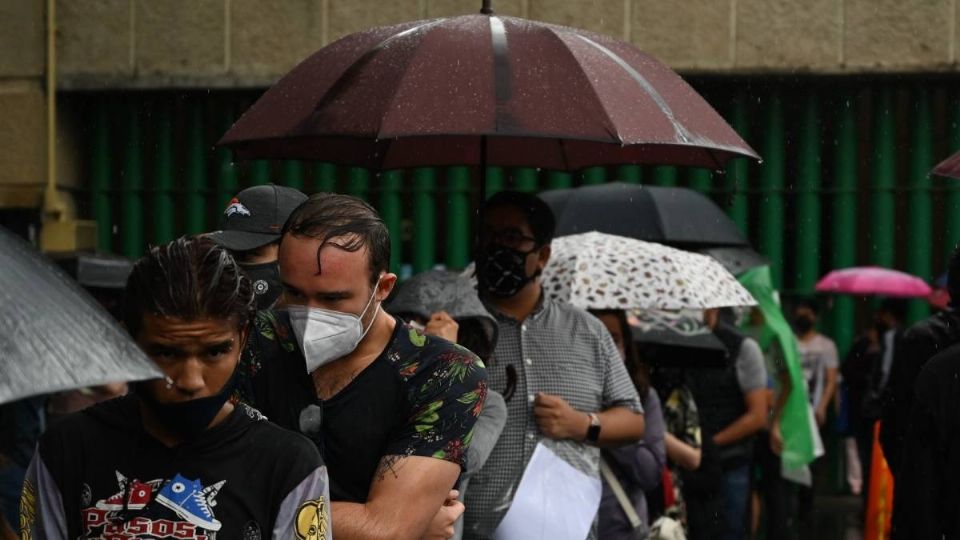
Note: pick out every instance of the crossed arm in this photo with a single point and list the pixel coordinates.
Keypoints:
(404, 499)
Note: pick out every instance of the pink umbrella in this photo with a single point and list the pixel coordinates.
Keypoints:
(873, 280)
(949, 167)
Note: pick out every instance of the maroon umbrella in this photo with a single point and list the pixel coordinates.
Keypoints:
(484, 89)
(949, 167)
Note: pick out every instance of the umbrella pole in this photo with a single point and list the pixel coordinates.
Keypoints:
(478, 222)
(483, 170)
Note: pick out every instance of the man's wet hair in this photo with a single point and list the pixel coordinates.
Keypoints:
(808, 302)
(350, 221)
(896, 307)
(191, 278)
(539, 215)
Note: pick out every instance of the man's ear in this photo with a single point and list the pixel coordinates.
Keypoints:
(387, 283)
(544, 256)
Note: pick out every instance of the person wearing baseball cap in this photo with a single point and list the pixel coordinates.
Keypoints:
(250, 229)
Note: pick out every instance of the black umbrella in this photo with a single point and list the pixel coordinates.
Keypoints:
(737, 260)
(677, 217)
(676, 340)
(97, 270)
(53, 336)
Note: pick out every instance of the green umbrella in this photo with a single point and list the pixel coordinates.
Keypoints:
(798, 442)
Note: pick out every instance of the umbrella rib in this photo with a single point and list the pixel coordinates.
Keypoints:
(681, 131)
(343, 80)
(611, 125)
(406, 72)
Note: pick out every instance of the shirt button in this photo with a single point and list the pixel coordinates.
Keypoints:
(523, 328)
(528, 361)
(531, 398)
(531, 436)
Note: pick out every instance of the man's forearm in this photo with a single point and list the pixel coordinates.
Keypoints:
(829, 390)
(743, 427)
(355, 521)
(620, 426)
(406, 494)
(752, 421)
(786, 386)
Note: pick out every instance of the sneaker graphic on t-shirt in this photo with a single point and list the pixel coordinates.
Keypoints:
(133, 494)
(190, 501)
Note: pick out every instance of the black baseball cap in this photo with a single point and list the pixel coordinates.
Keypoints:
(255, 217)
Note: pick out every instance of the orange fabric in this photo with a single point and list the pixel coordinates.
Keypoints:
(880, 498)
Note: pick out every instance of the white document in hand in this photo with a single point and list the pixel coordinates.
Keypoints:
(554, 501)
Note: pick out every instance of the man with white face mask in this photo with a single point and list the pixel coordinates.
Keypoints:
(391, 410)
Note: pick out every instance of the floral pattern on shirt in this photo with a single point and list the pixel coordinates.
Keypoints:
(446, 387)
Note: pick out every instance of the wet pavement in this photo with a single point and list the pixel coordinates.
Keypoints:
(836, 517)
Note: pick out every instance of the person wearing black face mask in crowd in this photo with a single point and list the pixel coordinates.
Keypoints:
(818, 357)
(557, 364)
(917, 346)
(250, 229)
(820, 364)
(176, 458)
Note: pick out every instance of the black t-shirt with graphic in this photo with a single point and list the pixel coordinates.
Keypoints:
(99, 474)
(420, 397)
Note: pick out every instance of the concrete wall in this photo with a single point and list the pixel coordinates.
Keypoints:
(175, 43)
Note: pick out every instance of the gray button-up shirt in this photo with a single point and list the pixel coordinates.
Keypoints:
(560, 350)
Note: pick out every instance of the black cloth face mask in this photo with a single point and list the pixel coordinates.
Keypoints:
(501, 271)
(188, 418)
(803, 325)
(266, 282)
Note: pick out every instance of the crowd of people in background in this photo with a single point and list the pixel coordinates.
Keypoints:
(305, 397)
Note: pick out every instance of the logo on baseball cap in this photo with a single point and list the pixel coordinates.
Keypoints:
(255, 217)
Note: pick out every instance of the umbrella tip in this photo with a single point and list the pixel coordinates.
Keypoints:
(486, 8)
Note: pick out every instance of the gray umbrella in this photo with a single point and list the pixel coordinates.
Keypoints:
(440, 290)
(53, 336)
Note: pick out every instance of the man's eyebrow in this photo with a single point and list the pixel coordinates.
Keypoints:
(155, 346)
(334, 295)
(220, 344)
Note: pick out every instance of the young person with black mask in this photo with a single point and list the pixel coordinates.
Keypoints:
(250, 229)
(391, 409)
(176, 459)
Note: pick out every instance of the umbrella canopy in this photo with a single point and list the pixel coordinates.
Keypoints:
(602, 271)
(873, 280)
(484, 89)
(53, 336)
(100, 270)
(441, 290)
(949, 167)
(678, 217)
(676, 339)
(737, 259)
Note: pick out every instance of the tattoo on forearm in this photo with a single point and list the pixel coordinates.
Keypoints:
(389, 465)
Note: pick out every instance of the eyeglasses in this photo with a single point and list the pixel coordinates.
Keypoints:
(511, 238)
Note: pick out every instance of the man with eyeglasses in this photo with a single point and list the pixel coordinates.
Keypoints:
(557, 364)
